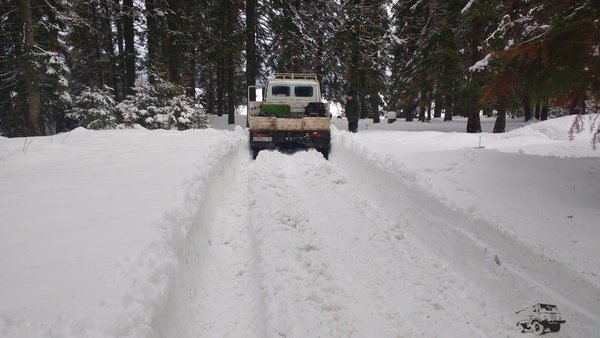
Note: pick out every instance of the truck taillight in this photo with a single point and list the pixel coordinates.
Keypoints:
(314, 134)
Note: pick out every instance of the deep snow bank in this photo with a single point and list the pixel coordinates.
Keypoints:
(215, 291)
(509, 271)
(167, 269)
(86, 248)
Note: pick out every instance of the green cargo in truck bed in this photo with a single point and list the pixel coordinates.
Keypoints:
(278, 110)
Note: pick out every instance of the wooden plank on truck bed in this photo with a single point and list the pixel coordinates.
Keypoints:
(289, 124)
(316, 123)
(261, 123)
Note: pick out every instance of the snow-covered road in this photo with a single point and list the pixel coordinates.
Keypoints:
(296, 246)
(137, 233)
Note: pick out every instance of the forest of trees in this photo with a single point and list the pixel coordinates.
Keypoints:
(165, 63)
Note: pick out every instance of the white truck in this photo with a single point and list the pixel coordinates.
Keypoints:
(290, 115)
(539, 317)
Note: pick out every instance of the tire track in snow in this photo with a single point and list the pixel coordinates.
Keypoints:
(302, 297)
(217, 289)
(335, 265)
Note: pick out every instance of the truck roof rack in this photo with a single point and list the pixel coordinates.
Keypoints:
(294, 76)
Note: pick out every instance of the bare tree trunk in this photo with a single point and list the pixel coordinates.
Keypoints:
(58, 112)
(129, 37)
(111, 48)
(220, 87)
(229, 64)
(437, 110)
(33, 98)
(121, 49)
(473, 122)
(173, 42)
(421, 112)
(500, 125)
(429, 112)
(544, 112)
(375, 107)
(526, 101)
(449, 108)
(153, 39)
(409, 110)
(251, 55)
(191, 76)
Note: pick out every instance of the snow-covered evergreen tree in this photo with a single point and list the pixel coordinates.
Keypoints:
(94, 108)
(162, 105)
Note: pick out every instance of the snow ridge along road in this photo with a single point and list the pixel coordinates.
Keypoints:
(505, 274)
(216, 291)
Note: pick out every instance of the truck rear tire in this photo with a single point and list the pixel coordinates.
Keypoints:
(554, 327)
(325, 153)
(254, 153)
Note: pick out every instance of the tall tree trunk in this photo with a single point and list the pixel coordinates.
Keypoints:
(229, 63)
(210, 104)
(526, 101)
(500, 125)
(421, 112)
(120, 47)
(375, 107)
(191, 76)
(537, 110)
(251, 55)
(473, 121)
(220, 87)
(173, 42)
(472, 104)
(108, 34)
(153, 40)
(33, 97)
(449, 109)
(98, 62)
(544, 112)
(428, 112)
(60, 124)
(409, 111)
(129, 37)
(437, 109)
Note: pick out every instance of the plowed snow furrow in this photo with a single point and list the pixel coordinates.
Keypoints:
(217, 290)
(346, 271)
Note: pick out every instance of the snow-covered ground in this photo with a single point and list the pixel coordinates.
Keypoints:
(406, 231)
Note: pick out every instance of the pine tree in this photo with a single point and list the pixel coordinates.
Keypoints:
(552, 52)
(363, 46)
(409, 17)
(161, 105)
(94, 108)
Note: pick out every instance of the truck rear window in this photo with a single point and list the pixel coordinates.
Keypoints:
(280, 91)
(303, 91)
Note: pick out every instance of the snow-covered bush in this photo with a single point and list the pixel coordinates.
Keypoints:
(94, 108)
(161, 105)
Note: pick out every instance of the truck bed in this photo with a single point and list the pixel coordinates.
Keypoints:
(289, 124)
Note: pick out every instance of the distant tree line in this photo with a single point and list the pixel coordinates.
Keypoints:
(165, 63)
